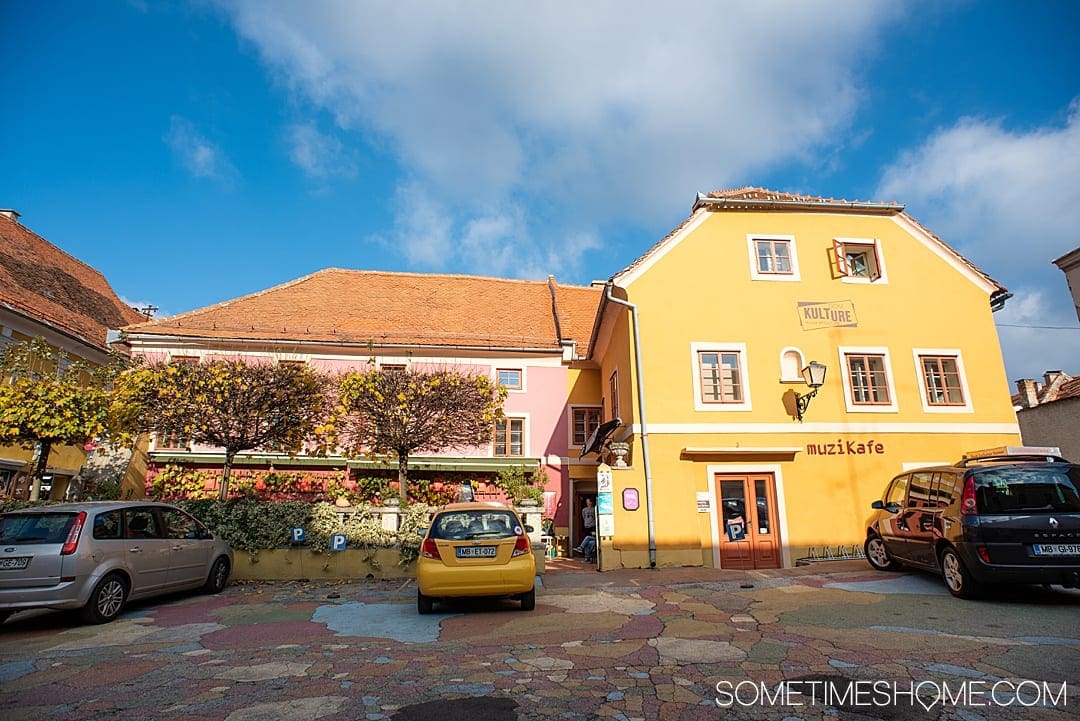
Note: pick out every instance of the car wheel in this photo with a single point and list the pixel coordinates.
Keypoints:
(878, 555)
(107, 599)
(957, 577)
(528, 600)
(218, 578)
(4, 615)
(424, 604)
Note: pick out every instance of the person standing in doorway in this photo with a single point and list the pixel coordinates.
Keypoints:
(587, 547)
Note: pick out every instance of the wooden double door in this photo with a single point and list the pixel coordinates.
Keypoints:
(749, 523)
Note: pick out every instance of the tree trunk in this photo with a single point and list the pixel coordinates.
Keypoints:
(44, 449)
(403, 477)
(223, 492)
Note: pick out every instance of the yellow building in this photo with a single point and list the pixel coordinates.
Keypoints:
(699, 347)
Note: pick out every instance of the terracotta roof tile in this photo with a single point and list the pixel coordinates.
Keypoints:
(39, 280)
(353, 306)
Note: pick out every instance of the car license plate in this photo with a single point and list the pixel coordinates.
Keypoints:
(476, 552)
(14, 563)
(1056, 549)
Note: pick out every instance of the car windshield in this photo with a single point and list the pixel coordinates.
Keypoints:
(463, 525)
(1018, 489)
(35, 527)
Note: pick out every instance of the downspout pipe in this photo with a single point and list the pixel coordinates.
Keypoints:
(642, 421)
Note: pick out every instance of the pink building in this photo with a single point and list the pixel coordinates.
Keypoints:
(528, 334)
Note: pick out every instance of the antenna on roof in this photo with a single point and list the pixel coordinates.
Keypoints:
(147, 310)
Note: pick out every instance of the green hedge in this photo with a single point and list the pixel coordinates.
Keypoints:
(252, 526)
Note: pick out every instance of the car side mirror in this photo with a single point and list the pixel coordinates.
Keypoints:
(422, 531)
(529, 529)
(877, 505)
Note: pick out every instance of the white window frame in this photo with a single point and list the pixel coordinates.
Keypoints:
(879, 256)
(700, 403)
(843, 352)
(916, 353)
(755, 272)
(511, 368)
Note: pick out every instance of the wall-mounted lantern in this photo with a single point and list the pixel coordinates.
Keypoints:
(813, 376)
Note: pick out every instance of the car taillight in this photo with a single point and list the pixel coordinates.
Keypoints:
(72, 541)
(429, 549)
(968, 505)
(521, 546)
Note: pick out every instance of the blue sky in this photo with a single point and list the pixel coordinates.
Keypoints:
(194, 152)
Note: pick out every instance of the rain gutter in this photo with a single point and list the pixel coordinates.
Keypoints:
(154, 337)
(644, 425)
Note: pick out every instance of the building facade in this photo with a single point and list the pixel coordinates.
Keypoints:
(1070, 266)
(524, 333)
(700, 346)
(722, 455)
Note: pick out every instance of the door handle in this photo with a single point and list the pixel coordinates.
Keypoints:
(135, 550)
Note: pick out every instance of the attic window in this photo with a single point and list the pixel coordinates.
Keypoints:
(858, 260)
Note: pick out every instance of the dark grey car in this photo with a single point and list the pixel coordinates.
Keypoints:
(984, 520)
(97, 556)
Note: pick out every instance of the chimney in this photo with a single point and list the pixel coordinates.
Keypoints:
(1051, 376)
(8, 213)
(1029, 392)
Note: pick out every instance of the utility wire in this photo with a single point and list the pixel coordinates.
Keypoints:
(1041, 327)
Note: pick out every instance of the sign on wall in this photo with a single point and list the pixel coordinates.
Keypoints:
(831, 314)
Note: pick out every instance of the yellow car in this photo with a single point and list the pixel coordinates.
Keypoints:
(475, 549)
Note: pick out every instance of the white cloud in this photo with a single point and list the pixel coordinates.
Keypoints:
(199, 156)
(320, 156)
(1010, 202)
(606, 111)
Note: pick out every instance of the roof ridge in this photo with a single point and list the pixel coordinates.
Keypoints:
(467, 276)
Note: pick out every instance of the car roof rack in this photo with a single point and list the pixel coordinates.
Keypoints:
(1011, 458)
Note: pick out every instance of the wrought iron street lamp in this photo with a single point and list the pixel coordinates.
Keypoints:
(813, 376)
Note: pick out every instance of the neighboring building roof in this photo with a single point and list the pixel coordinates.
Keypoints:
(45, 284)
(1056, 386)
(336, 305)
(761, 199)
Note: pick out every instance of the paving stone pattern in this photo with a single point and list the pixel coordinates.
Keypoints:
(622, 646)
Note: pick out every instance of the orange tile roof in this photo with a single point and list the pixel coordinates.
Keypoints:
(40, 281)
(751, 197)
(383, 308)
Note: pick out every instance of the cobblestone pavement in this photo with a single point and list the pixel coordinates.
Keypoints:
(621, 645)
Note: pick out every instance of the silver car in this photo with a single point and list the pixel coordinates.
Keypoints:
(97, 556)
